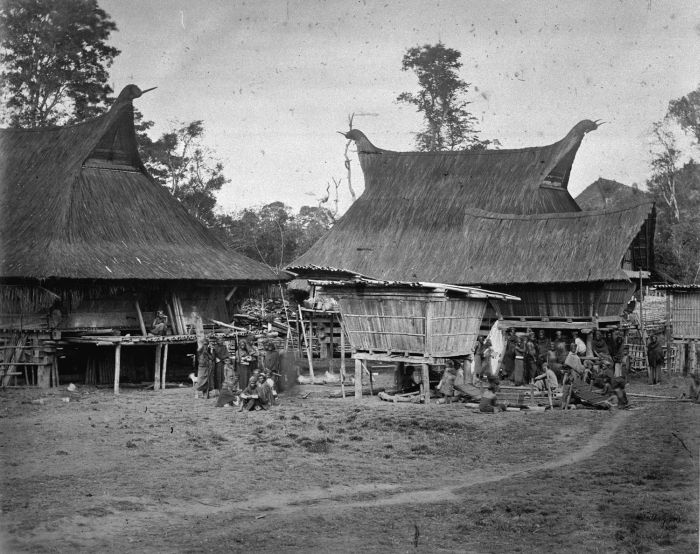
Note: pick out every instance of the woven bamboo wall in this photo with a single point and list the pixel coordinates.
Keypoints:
(685, 309)
(398, 322)
(454, 325)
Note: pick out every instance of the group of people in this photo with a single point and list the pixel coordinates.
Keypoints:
(241, 374)
(549, 363)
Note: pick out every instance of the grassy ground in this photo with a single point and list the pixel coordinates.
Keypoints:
(162, 471)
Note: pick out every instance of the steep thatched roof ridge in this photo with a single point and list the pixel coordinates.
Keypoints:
(434, 240)
(76, 202)
(519, 181)
(606, 193)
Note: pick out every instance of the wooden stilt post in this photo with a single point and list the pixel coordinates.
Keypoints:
(669, 342)
(369, 372)
(165, 366)
(425, 381)
(342, 360)
(117, 366)
(358, 378)
(156, 377)
(309, 354)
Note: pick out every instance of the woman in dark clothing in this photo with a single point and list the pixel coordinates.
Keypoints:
(656, 357)
(509, 354)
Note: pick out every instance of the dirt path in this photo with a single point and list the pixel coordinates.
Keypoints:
(147, 512)
(346, 498)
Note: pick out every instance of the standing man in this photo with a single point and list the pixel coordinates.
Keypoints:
(531, 356)
(544, 345)
(655, 355)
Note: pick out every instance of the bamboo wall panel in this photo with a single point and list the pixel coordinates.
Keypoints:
(685, 309)
(613, 297)
(381, 321)
(455, 326)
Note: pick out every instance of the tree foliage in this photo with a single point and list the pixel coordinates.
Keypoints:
(686, 112)
(677, 243)
(55, 57)
(676, 188)
(179, 161)
(441, 99)
(272, 233)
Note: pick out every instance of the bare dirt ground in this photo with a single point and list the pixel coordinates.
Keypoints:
(165, 472)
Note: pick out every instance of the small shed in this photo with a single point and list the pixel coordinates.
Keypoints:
(683, 323)
(416, 323)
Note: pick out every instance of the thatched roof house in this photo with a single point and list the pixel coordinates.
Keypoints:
(501, 219)
(80, 216)
(606, 193)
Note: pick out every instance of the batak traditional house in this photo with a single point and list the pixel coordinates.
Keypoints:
(500, 219)
(92, 245)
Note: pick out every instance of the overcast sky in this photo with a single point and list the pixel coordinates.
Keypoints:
(274, 80)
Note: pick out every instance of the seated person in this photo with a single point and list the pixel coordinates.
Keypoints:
(547, 377)
(446, 386)
(488, 402)
(264, 390)
(159, 327)
(619, 390)
(249, 396)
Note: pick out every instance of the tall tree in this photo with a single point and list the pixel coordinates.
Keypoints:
(54, 57)
(686, 112)
(676, 187)
(441, 99)
(179, 161)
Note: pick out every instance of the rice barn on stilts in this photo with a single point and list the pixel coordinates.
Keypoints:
(503, 220)
(92, 247)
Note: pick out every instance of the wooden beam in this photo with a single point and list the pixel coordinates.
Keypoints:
(391, 358)
(140, 316)
(425, 381)
(342, 359)
(117, 366)
(231, 293)
(534, 324)
(358, 378)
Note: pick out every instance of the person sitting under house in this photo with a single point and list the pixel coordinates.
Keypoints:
(446, 386)
(489, 401)
(159, 327)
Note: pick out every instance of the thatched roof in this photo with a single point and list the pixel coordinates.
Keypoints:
(520, 181)
(475, 218)
(442, 240)
(77, 203)
(605, 193)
